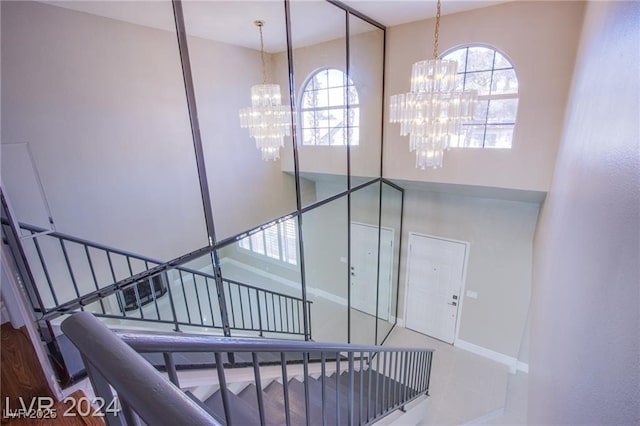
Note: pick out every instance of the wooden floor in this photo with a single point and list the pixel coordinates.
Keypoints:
(23, 380)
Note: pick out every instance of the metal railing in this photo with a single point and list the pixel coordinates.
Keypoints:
(71, 273)
(375, 381)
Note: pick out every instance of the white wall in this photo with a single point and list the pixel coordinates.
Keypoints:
(585, 333)
(102, 104)
(500, 234)
(245, 190)
(366, 68)
(540, 38)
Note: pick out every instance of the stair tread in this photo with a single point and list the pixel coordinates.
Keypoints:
(241, 412)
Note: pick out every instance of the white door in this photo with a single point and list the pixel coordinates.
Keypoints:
(364, 271)
(434, 282)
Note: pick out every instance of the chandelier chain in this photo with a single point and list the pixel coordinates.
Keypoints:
(435, 38)
(260, 24)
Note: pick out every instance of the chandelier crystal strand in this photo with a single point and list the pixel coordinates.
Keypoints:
(267, 119)
(432, 113)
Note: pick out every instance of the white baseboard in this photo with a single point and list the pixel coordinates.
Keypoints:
(507, 360)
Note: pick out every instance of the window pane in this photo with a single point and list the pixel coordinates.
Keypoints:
(308, 137)
(336, 78)
(502, 111)
(308, 119)
(320, 80)
(309, 99)
(352, 93)
(480, 59)
(504, 81)
(257, 243)
(337, 96)
(502, 62)
(322, 99)
(336, 118)
(473, 136)
(245, 243)
(338, 136)
(480, 116)
(480, 81)
(272, 244)
(290, 241)
(354, 135)
(499, 136)
(460, 57)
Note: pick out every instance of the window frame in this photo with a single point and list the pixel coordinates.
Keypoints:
(487, 97)
(346, 108)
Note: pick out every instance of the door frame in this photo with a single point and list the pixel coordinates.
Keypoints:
(463, 285)
(393, 246)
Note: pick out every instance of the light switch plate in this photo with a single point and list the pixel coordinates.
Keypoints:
(472, 294)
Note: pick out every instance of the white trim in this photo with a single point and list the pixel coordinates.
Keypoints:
(462, 284)
(507, 360)
(522, 366)
(15, 297)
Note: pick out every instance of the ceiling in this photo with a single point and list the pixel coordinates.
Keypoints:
(231, 22)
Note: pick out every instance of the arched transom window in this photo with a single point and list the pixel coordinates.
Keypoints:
(329, 109)
(485, 69)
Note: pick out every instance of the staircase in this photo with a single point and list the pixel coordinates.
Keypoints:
(283, 382)
(332, 409)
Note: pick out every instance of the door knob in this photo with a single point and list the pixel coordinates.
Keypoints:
(452, 304)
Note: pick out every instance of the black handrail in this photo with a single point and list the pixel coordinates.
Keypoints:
(136, 289)
(151, 398)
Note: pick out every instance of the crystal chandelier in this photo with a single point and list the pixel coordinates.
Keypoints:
(433, 112)
(267, 119)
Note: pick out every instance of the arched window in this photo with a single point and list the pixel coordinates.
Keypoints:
(329, 109)
(485, 69)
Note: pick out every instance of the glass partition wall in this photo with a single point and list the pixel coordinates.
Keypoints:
(291, 244)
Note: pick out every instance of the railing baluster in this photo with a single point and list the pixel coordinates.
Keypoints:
(68, 262)
(285, 388)
(223, 389)
(286, 307)
(172, 305)
(280, 310)
(299, 321)
(153, 290)
(323, 374)
(206, 284)
(384, 404)
(93, 276)
(259, 312)
(232, 322)
(266, 312)
(119, 294)
(375, 404)
(396, 380)
(102, 390)
(195, 286)
(241, 307)
(257, 378)
(184, 294)
(273, 306)
(135, 288)
(338, 388)
(171, 368)
(405, 368)
(430, 357)
(45, 269)
(250, 308)
(309, 316)
(305, 367)
(361, 388)
(293, 320)
(369, 387)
